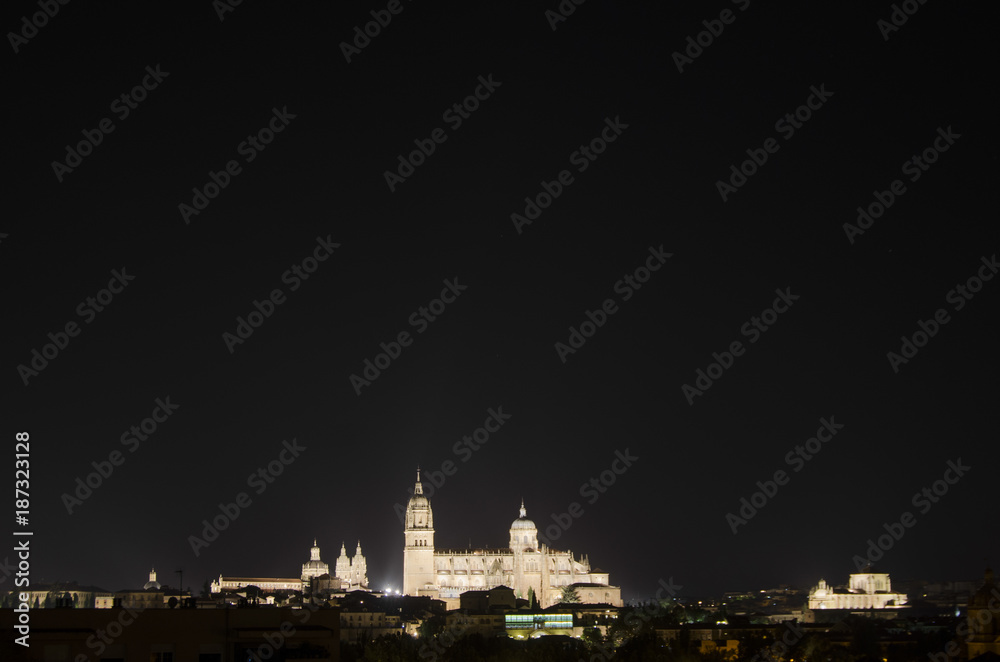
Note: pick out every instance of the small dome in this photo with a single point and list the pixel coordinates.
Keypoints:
(523, 523)
(417, 500)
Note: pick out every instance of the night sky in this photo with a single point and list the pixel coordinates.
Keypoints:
(885, 96)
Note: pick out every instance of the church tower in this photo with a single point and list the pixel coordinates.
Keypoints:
(359, 568)
(523, 539)
(152, 583)
(418, 550)
(343, 566)
(523, 533)
(315, 566)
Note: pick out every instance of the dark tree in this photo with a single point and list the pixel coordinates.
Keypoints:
(431, 627)
(569, 594)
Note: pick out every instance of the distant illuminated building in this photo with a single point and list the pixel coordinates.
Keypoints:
(866, 590)
(349, 574)
(265, 584)
(981, 621)
(315, 566)
(352, 572)
(524, 565)
(152, 583)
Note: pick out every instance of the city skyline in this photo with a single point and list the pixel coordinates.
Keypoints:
(712, 288)
(392, 575)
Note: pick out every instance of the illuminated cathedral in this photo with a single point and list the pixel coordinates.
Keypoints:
(525, 565)
(867, 590)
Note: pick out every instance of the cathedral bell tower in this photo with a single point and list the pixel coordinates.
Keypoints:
(418, 550)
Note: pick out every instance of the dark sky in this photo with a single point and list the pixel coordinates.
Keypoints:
(495, 346)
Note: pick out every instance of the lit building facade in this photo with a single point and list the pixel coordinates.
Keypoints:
(315, 566)
(525, 565)
(350, 574)
(866, 590)
(266, 584)
(352, 571)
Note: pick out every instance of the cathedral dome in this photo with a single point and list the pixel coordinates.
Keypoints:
(418, 501)
(418, 509)
(152, 583)
(522, 523)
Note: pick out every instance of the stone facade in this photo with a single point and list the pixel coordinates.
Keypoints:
(866, 590)
(266, 584)
(525, 565)
(352, 572)
(315, 566)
